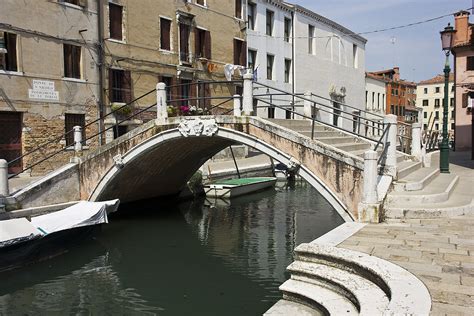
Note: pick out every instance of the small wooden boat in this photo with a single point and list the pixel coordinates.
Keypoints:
(235, 187)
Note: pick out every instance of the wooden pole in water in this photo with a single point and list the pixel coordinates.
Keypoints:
(235, 162)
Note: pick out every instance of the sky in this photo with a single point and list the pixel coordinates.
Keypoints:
(416, 50)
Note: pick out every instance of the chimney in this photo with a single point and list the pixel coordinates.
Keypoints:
(461, 25)
(396, 75)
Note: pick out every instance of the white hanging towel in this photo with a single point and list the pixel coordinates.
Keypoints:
(229, 71)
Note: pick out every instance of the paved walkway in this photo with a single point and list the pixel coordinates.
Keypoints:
(440, 252)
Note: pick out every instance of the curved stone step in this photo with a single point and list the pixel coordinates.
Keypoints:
(286, 307)
(364, 294)
(449, 208)
(417, 180)
(406, 293)
(317, 297)
(437, 191)
(405, 168)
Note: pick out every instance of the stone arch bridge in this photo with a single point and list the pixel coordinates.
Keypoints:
(157, 159)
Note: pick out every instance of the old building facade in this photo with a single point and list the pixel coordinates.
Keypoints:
(430, 97)
(48, 78)
(463, 51)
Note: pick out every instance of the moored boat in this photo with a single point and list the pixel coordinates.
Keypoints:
(236, 187)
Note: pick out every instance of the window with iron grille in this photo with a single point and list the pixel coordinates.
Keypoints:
(72, 120)
(8, 61)
(72, 61)
(115, 21)
(120, 86)
(165, 35)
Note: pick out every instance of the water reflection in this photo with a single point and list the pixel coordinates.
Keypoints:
(176, 259)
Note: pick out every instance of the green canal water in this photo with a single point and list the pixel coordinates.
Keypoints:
(169, 258)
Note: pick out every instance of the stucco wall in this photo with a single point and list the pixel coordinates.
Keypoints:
(430, 110)
(463, 115)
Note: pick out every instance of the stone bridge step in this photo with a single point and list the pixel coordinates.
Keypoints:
(415, 180)
(438, 190)
(336, 140)
(286, 307)
(407, 167)
(352, 146)
(317, 296)
(318, 134)
(368, 298)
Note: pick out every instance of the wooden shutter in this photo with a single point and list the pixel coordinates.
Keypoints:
(197, 43)
(115, 21)
(127, 86)
(67, 60)
(243, 55)
(165, 26)
(192, 92)
(207, 40)
(238, 9)
(76, 62)
(10, 43)
(111, 91)
(236, 51)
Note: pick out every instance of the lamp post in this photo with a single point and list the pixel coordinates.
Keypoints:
(446, 43)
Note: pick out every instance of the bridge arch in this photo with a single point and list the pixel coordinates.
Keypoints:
(137, 168)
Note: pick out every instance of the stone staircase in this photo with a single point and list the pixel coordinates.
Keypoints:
(333, 281)
(426, 193)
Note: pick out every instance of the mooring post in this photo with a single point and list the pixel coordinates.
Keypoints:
(248, 94)
(237, 105)
(4, 190)
(161, 102)
(390, 143)
(77, 139)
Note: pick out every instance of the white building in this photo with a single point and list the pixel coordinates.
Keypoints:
(430, 97)
(375, 99)
(329, 62)
(297, 50)
(269, 41)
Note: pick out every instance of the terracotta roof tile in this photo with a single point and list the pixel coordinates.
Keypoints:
(437, 79)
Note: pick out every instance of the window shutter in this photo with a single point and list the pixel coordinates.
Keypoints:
(236, 52)
(115, 16)
(238, 9)
(243, 55)
(192, 93)
(464, 100)
(207, 39)
(165, 26)
(111, 74)
(197, 43)
(10, 41)
(127, 86)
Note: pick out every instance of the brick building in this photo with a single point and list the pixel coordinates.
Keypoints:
(463, 51)
(48, 78)
(400, 95)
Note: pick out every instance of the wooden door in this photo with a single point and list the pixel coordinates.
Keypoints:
(10, 139)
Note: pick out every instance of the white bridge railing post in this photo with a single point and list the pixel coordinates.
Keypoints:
(370, 177)
(77, 139)
(4, 190)
(237, 105)
(308, 105)
(416, 140)
(390, 146)
(248, 94)
(161, 102)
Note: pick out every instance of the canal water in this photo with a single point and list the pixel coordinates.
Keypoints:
(168, 258)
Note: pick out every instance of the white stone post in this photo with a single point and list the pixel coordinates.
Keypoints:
(390, 143)
(416, 140)
(161, 102)
(4, 190)
(308, 105)
(370, 177)
(248, 94)
(77, 139)
(237, 105)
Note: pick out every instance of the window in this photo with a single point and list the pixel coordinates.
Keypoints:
(72, 120)
(425, 102)
(470, 63)
(270, 59)
(81, 3)
(201, 2)
(251, 13)
(378, 101)
(425, 90)
(72, 61)
(8, 61)
(288, 114)
(240, 49)
(452, 115)
(425, 126)
(165, 34)
(436, 103)
(185, 91)
(392, 109)
(452, 102)
(355, 55)
(393, 91)
(287, 30)
(252, 59)
(115, 21)
(311, 49)
(452, 126)
(425, 114)
(203, 43)
(436, 115)
(238, 9)
(269, 23)
(168, 81)
(437, 90)
(120, 86)
(373, 99)
(436, 126)
(184, 33)
(287, 70)
(204, 92)
(452, 88)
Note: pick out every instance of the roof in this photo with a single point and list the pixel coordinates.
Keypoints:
(437, 79)
(328, 22)
(375, 77)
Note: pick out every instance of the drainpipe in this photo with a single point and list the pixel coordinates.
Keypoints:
(293, 61)
(100, 52)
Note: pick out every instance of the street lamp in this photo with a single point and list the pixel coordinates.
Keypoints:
(446, 43)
